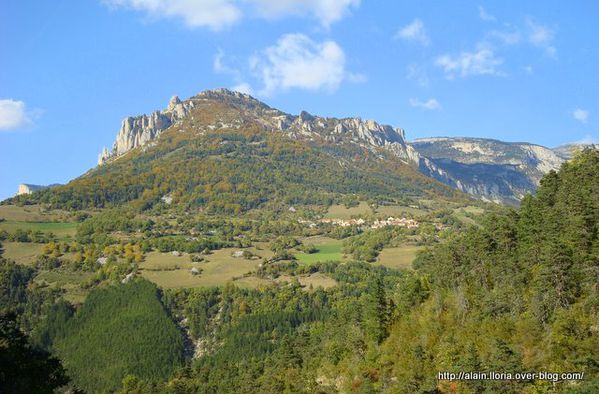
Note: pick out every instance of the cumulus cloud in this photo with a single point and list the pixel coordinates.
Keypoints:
(541, 36)
(220, 14)
(326, 11)
(484, 15)
(13, 115)
(581, 115)
(296, 61)
(213, 14)
(480, 62)
(415, 31)
(430, 104)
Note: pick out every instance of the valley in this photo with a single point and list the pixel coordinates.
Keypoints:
(264, 252)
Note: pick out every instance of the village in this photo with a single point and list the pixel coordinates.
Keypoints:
(378, 223)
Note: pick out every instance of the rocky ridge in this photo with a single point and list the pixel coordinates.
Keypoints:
(494, 170)
(141, 130)
(489, 169)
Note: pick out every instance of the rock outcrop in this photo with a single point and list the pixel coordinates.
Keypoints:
(489, 169)
(27, 188)
(139, 130)
(492, 170)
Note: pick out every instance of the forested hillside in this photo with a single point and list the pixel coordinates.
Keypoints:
(518, 293)
(511, 291)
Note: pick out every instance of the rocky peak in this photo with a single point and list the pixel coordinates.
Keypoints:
(173, 103)
(139, 130)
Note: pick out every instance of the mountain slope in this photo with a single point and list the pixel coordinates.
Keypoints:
(230, 153)
(494, 170)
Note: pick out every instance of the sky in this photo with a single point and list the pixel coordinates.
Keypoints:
(71, 70)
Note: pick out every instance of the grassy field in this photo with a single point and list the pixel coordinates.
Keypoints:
(341, 212)
(68, 280)
(398, 258)
(384, 211)
(315, 280)
(329, 249)
(472, 210)
(62, 230)
(30, 213)
(21, 252)
(220, 267)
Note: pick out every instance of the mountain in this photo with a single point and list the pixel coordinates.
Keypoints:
(568, 150)
(141, 130)
(490, 169)
(226, 152)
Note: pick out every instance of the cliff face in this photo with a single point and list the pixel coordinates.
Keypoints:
(493, 170)
(27, 188)
(140, 130)
(488, 169)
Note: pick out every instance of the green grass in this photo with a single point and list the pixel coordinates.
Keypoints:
(384, 211)
(62, 230)
(218, 269)
(398, 258)
(70, 281)
(21, 252)
(30, 213)
(329, 249)
(460, 213)
(341, 212)
(316, 280)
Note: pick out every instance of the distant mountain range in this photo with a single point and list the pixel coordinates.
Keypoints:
(489, 169)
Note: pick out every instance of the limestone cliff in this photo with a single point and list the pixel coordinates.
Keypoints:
(491, 169)
(140, 130)
(27, 188)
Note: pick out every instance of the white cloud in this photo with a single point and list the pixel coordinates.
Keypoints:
(326, 11)
(484, 15)
(220, 14)
(243, 87)
(13, 115)
(415, 31)
(296, 61)
(214, 14)
(541, 36)
(430, 104)
(581, 115)
(481, 62)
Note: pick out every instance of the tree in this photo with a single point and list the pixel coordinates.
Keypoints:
(24, 369)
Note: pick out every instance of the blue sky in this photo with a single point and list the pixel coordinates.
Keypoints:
(70, 71)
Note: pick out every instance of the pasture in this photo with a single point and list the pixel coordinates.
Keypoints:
(341, 212)
(62, 230)
(329, 249)
(218, 268)
(398, 258)
(23, 253)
